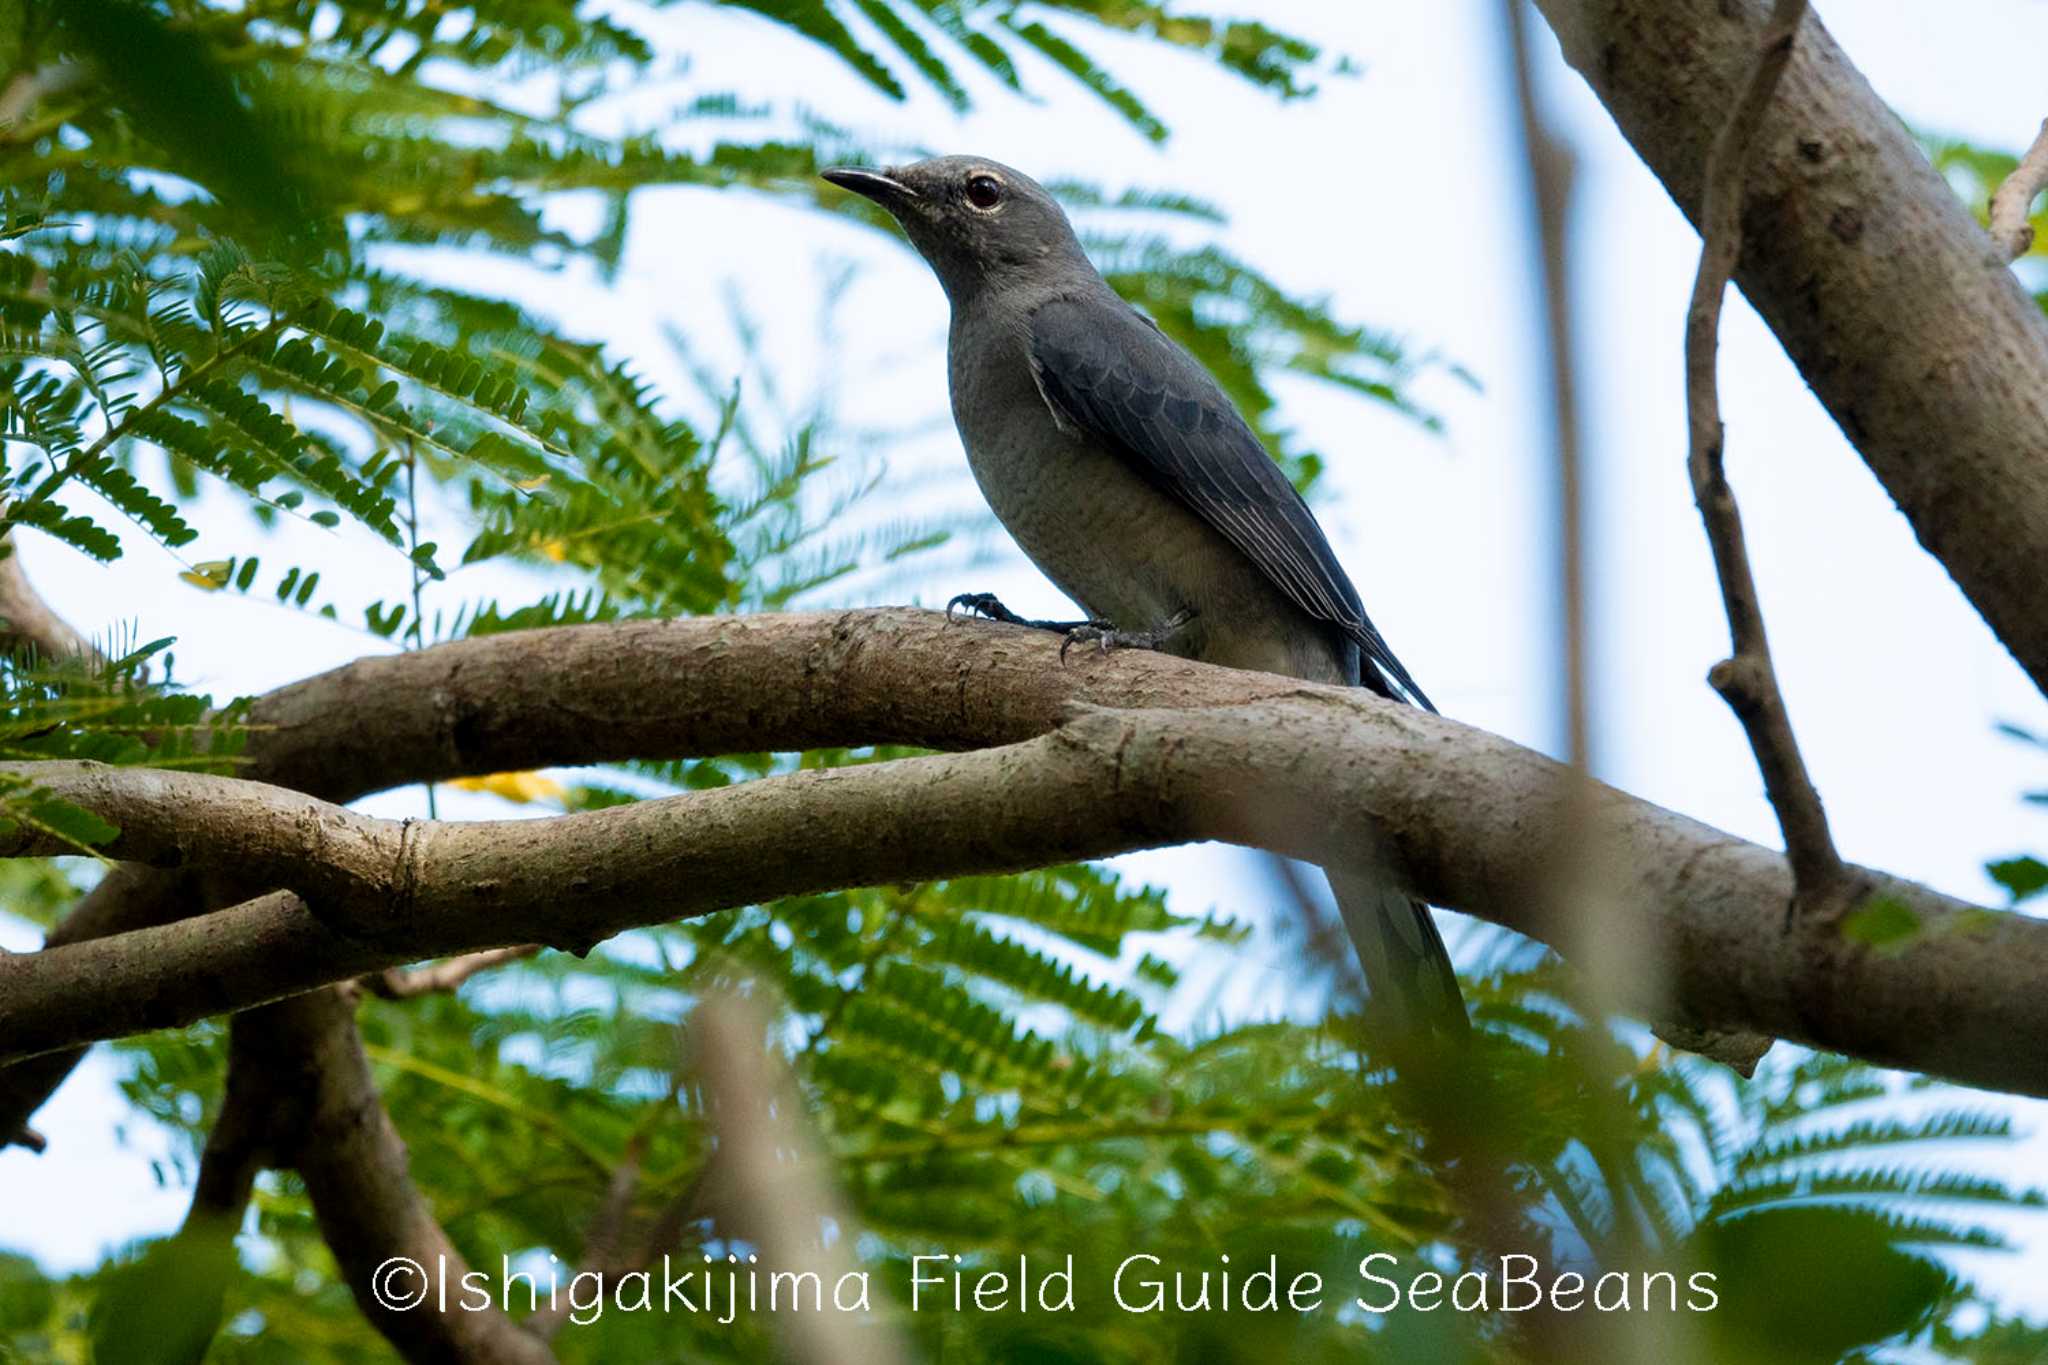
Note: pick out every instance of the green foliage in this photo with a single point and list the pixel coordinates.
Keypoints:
(163, 1307)
(200, 120)
(305, 376)
(2025, 877)
(106, 711)
(985, 1091)
(995, 36)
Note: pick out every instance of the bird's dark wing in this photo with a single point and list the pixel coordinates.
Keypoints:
(1106, 371)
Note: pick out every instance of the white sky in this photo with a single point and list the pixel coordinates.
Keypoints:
(1395, 193)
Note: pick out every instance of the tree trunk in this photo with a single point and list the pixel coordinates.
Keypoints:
(1898, 309)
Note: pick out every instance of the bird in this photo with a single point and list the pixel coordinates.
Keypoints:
(1125, 473)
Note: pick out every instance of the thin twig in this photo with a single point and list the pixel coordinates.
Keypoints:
(417, 634)
(1583, 892)
(1582, 887)
(30, 88)
(873, 954)
(2011, 200)
(1747, 681)
(604, 1251)
(1324, 941)
(1552, 167)
(404, 983)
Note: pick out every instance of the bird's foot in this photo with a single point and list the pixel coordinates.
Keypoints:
(1106, 637)
(989, 605)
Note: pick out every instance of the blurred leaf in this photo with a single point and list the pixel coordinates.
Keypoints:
(163, 1306)
(1855, 1285)
(518, 788)
(189, 103)
(2024, 877)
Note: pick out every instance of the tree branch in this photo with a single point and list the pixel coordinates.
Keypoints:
(447, 975)
(1748, 681)
(646, 689)
(1470, 817)
(1897, 308)
(26, 620)
(253, 1121)
(2015, 195)
(356, 1173)
(604, 1253)
(1577, 879)
(773, 1185)
(1552, 167)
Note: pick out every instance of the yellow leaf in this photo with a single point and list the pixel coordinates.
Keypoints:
(528, 485)
(210, 574)
(553, 549)
(519, 788)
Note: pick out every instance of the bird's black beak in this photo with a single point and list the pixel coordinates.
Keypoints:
(891, 194)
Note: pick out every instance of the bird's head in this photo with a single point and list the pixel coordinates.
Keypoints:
(977, 222)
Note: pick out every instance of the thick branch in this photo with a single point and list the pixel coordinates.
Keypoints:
(662, 689)
(385, 1240)
(1472, 819)
(253, 1117)
(690, 688)
(1748, 681)
(2015, 195)
(1897, 308)
(650, 689)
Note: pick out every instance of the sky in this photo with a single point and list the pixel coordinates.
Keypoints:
(1398, 193)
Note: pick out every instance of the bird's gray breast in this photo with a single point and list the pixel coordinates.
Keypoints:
(1121, 547)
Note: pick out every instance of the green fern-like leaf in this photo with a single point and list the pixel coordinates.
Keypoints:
(815, 20)
(78, 531)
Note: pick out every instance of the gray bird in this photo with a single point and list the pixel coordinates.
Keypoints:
(1130, 479)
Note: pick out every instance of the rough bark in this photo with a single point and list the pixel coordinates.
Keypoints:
(1470, 819)
(663, 689)
(1895, 305)
(651, 689)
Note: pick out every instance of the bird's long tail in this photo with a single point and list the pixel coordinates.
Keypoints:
(1405, 963)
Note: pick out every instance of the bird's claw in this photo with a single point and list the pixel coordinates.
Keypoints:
(988, 605)
(982, 604)
(1101, 634)
(1106, 637)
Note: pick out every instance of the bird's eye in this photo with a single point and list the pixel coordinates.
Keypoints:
(984, 191)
